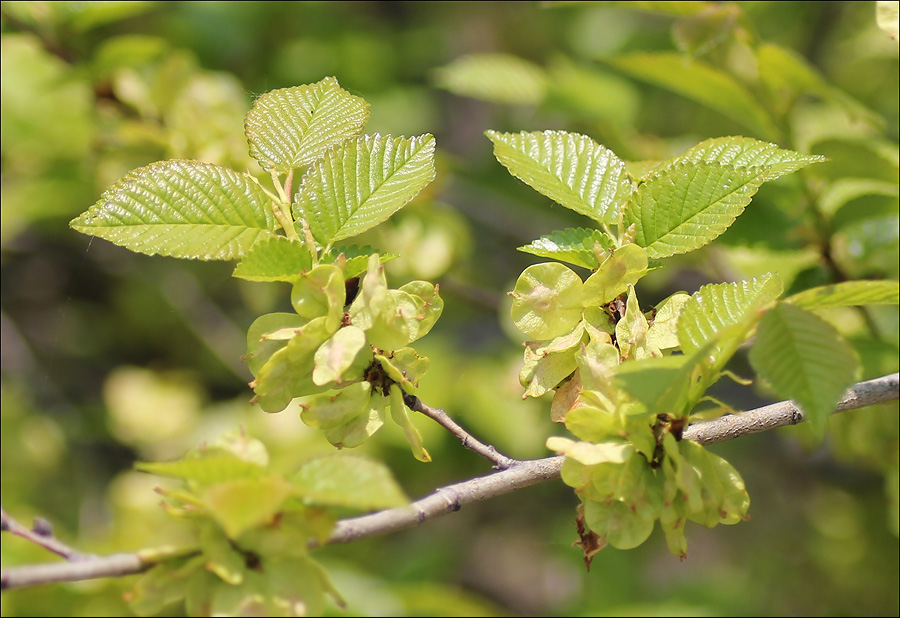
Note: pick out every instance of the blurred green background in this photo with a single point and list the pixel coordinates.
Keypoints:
(109, 357)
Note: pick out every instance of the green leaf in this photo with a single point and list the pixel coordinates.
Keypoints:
(748, 152)
(698, 33)
(632, 329)
(804, 359)
(348, 481)
(589, 453)
(624, 267)
(404, 367)
(692, 200)
(242, 504)
(578, 246)
(359, 185)
(848, 294)
(700, 83)
(206, 470)
(274, 259)
(292, 127)
(718, 307)
(360, 428)
(571, 169)
(547, 300)
(543, 373)
(499, 78)
(661, 384)
(183, 209)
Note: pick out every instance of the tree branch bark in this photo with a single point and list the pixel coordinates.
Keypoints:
(517, 475)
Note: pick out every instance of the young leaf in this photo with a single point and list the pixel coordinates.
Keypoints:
(747, 152)
(206, 470)
(184, 209)
(717, 307)
(348, 481)
(333, 409)
(357, 186)
(804, 359)
(274, 259)
(848, 293)
(578, 246)
(571, 169)
(500, 78)
(336, 355)
(292, 127)
(684, 206)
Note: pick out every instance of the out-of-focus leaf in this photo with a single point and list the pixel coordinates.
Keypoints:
(500, 78)
(348, 481)
(241, 504)
(700, 83)
(804, 359)
(848, 293)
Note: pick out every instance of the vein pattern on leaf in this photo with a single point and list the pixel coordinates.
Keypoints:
(804, 358)
(685, 206)
(292, 127)
(181, 208)
(362, 183)
(748, 152)
(572, 170)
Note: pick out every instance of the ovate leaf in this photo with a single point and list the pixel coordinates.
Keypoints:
(579, 246)
(848, 293)
(717, 307)
(804, 359)
(571, 169)
(206, 470)
(336, 355)
(348, 481)
(183, 209)
(500, 78)
(274, 259)
(292, 127)
(748, 152)
(357, 186)
(685, 206)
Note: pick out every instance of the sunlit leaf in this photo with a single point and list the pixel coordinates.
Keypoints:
(359, 185)
(804, 359)
(333, 409)
(579, 246)
(336, 355)
(184, 209)
(718, 307)
(206, 470)
(292, 127)
(274, 259)
(571, 169)
(400, 415)
(622, 527)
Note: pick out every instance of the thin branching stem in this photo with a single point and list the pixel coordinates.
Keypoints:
(499, 460)
(451, 498)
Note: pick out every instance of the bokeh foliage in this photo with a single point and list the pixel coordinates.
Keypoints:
(111, 357)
